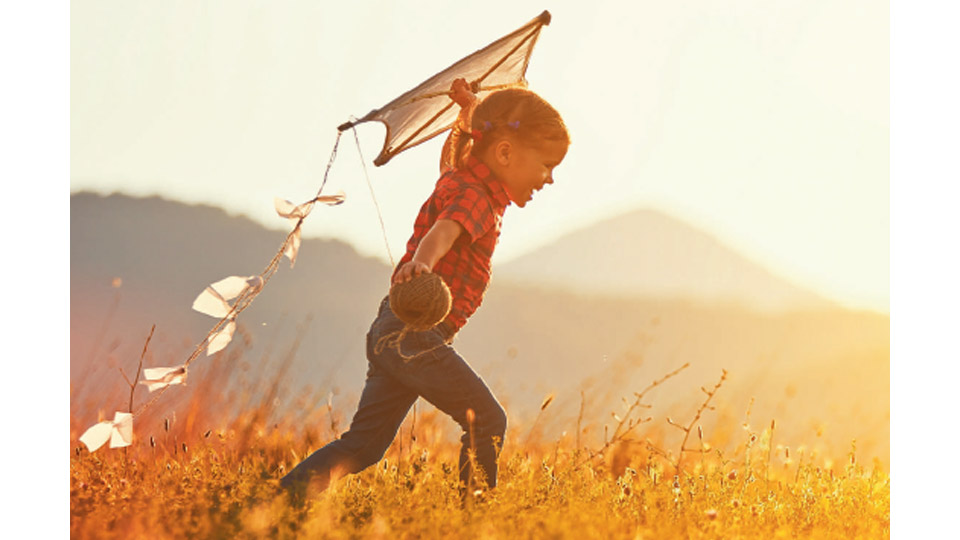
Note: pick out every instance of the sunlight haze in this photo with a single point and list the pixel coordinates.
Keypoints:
(765, 125)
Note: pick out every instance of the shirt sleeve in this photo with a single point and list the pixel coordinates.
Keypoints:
(471, 209)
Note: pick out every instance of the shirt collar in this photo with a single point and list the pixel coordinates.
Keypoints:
(483, 173)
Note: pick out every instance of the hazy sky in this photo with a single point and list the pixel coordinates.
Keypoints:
(763, 123)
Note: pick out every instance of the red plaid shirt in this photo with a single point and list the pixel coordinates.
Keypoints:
(474, 198)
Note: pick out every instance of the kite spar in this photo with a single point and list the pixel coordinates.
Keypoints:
(411, 119)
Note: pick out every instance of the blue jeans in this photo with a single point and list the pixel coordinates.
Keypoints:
(393, 384)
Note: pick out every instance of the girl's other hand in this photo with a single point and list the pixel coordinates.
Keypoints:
(461, 93)
(410, 270)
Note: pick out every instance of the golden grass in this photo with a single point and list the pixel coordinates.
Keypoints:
(186, 480)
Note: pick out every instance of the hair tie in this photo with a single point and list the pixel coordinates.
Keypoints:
(476, 134)
(515, 124)
(487, 126)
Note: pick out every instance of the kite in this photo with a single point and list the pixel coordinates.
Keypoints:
(411, 119)
(427, 110)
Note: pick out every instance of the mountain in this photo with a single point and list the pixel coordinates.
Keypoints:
(137, 262)
(648, 254)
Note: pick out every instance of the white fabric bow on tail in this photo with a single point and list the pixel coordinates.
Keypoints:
(297, 213)
(157, 378)
(119, 432)
(214, 301)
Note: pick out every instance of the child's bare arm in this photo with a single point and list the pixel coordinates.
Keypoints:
(463, 95)
(432, 248)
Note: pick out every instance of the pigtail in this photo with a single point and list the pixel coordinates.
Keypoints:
(460, 147)
(459, 143)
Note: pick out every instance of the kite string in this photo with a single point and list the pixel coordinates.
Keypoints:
(376, 204)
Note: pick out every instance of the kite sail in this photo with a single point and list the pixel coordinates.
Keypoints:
(427, 111)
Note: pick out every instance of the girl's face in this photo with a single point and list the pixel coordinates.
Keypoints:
(525, 169)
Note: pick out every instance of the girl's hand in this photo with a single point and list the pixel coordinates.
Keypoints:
(410, 270)
(461, 93)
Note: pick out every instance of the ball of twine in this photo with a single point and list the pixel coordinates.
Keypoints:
(422, 302)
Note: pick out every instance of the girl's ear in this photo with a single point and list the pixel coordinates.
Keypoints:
(502, 152)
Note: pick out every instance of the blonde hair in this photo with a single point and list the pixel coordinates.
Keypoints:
(514, 113)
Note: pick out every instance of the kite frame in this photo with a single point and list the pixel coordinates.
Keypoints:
(532, 30)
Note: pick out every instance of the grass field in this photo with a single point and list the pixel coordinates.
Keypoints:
(185, 480)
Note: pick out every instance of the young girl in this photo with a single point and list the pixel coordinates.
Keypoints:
(514, 141)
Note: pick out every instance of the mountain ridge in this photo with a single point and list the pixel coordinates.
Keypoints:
(612, 257)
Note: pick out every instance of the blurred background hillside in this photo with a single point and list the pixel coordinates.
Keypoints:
(603, 311)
